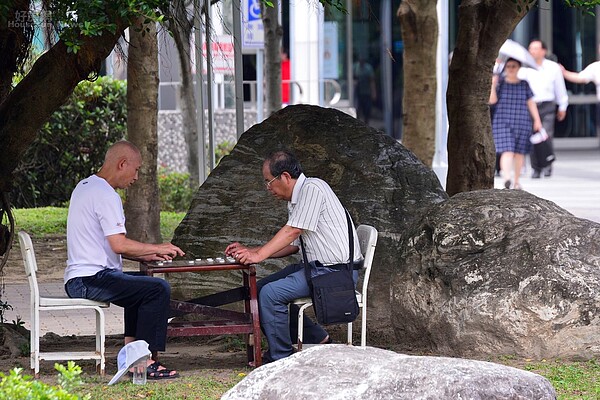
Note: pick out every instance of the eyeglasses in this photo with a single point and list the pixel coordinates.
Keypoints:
(511, 66)
(268, 184)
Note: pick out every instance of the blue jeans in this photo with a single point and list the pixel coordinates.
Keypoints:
(275, 292)
(145, 300)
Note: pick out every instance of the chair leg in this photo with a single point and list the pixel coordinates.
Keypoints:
(363, 331)
(100, 341)
(350, 333)
(301, 324)
(35, 343)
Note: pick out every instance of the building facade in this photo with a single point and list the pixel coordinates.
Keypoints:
(326, 47)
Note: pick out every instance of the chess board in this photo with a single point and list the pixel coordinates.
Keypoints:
(196, 262)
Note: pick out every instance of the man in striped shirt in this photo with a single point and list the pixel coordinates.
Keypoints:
(315, 212)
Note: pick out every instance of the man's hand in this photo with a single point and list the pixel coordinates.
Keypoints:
(243, 254)
(233, 248)
(249, 256)
(168, 251)
(278, 246)
(149, 258)
(560, 115)
(136, 250)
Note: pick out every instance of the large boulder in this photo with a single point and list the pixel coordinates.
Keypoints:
(499, 272)
(346, 372)
(376, 178)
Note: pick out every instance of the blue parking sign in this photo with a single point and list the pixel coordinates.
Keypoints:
(253, 10)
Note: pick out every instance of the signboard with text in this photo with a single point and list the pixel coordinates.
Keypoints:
(252, 26)
(222, 55)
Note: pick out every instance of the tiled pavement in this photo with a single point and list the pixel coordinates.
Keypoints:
(72, 322)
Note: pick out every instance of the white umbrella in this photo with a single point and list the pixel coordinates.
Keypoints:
(512, 49)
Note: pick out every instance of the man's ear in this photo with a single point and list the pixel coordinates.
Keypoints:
(121, 163)
(286, 175)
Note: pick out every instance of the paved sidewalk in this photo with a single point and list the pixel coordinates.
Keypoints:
(574, 185)
(63, 323)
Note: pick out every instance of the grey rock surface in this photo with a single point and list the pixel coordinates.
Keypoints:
(380, 182)
(499, 272)
(346, 372)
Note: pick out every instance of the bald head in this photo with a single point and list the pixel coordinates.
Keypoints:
(120, 150)
(121, 164)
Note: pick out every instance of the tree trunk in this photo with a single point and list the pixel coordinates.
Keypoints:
(483, 26)
(142, 207)
(419, 24)
(44, 89)
(181, 28)
(273, 34)
(15, 42)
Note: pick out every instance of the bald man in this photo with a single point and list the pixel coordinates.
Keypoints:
(96, 243)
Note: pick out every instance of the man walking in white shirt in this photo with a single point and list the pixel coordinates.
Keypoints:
(549, 91)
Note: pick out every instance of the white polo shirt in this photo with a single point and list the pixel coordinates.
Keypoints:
(547, 83)
(95, 212)
(316, 209)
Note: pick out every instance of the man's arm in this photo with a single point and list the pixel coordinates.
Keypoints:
(560, 94)
(573, 76)
(133, 249)
(278, 246)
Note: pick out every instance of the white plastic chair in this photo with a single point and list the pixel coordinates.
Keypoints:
(367, 236)
(39, 303)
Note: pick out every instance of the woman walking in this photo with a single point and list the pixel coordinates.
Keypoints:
(514, 117)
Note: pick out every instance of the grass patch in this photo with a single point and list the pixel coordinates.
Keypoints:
(44, 221)
(570, 379)
(209, 385)
(169, 220)
(51, 221)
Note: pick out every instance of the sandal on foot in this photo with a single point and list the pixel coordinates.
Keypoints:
(154, 373)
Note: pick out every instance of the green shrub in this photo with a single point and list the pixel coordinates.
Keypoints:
(17, 386)
(175, 190)
(223, 149)
(71, 146)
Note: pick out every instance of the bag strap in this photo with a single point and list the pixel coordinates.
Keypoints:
(350, 245)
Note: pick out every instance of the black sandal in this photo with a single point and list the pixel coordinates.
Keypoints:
(153, 373)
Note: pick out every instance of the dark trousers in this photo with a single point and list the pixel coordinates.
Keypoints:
(145, 300)
(313, 332)
(363, 111)
(547, 111)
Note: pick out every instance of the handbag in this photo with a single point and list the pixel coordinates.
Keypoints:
(333, 293)
(542, 148)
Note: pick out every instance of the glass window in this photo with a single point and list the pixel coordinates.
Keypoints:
(574, 39)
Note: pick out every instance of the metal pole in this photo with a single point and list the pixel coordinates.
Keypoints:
(237, 62)
(199, 95)
(321, 17)
(386, 67)
(209, 87)
(260, 73)
(350, 53)
(294, 94)
(440, 157)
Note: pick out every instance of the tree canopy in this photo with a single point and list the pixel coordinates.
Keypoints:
(81, 34)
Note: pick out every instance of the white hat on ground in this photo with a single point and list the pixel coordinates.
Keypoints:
(129, 355)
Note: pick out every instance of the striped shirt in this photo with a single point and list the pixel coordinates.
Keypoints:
(316, 210)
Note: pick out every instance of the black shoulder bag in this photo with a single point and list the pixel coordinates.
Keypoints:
(333, 295)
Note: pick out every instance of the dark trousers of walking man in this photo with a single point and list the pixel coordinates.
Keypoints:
(547, 111)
